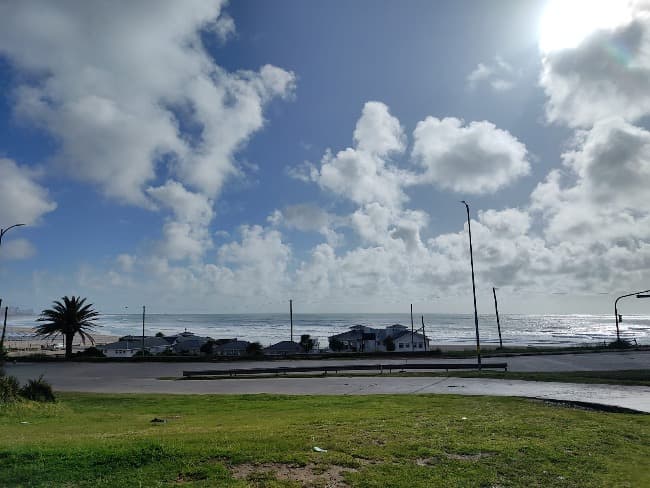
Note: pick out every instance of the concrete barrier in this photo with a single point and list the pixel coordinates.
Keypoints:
(344, 367)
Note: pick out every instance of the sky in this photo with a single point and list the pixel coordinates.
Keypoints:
(207, 157)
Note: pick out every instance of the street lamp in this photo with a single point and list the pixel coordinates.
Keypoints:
(471, 260)
(639, 294)
(4, 231)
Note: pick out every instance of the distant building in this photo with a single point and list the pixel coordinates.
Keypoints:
(361, 338)
(231, 348)
(283, 348)
(129, 346)
(187, 343)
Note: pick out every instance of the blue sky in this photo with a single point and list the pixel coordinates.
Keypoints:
(205, 157)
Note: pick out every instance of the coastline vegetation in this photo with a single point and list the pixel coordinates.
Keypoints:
(269, 441)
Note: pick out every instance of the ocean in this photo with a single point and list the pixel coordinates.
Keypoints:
(533, 330)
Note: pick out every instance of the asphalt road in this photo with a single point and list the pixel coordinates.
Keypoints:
(145, 378)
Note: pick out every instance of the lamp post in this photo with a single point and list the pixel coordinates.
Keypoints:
(4, 231)
(496, 309)
(639, 294)
(471, 260)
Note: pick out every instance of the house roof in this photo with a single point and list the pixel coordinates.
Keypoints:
(149, 342)
(284, 346)
(232, 346)
(407, 333)
(350, 335)
(194, 343)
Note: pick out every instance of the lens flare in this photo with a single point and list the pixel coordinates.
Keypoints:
(566, 23)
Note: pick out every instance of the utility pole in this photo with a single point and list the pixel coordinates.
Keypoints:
(471, 260)
(143, 311)
(412, 331)
(291, 317)
(496, 309)
(424, 334)
(4, 327)
(4, 231)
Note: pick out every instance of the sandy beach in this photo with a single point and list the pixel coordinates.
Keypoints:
(21, 341)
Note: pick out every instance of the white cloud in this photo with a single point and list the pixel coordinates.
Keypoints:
(126, 262)
(127, 89)
(187, 234)
(257, 264)
(307, 217)
(606, 75)
(13, 249)
(498, 74)
(364, 173)
(476, 158)
(225, 27)
(22, 199)
(378, 132)
(602, 198)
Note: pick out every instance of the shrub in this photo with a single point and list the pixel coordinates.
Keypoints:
(254, 349)
(336, 345)
(620, 344)
(38, 390)
(90, 352)
(9, 388)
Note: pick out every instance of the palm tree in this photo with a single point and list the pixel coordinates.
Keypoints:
(69, 318)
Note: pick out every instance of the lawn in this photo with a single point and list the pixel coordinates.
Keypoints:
(268, 440)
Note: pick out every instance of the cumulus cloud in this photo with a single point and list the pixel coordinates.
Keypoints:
(498, 75)
(308, 217)
(14, 249)
(126, 89)
(364, 174)
(257, 264)
(606, 75)
(601, 198)
(22, 199)
(475, 158)
(186, 235)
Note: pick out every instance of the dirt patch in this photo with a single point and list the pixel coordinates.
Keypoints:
(309, 475)
(432, 461)
(469, 457)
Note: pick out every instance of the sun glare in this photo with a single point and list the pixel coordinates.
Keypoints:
(566, 23)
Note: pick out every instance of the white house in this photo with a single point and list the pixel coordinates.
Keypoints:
(129, 346)
(361, 338)
(231, 348)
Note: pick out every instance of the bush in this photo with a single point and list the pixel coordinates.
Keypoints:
(90, 352)
(38, 390)
(620, 344)
(254, 349)
(9, 389)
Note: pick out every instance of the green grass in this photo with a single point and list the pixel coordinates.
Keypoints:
(376, 441)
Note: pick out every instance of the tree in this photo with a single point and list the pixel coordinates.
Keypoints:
(336, 345)
(254, 349)
(307, 342)
(68, 317)
(207, 347)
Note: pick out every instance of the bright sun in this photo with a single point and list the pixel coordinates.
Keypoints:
(565, 23)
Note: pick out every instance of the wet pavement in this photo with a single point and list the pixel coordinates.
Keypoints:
(145, 378)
